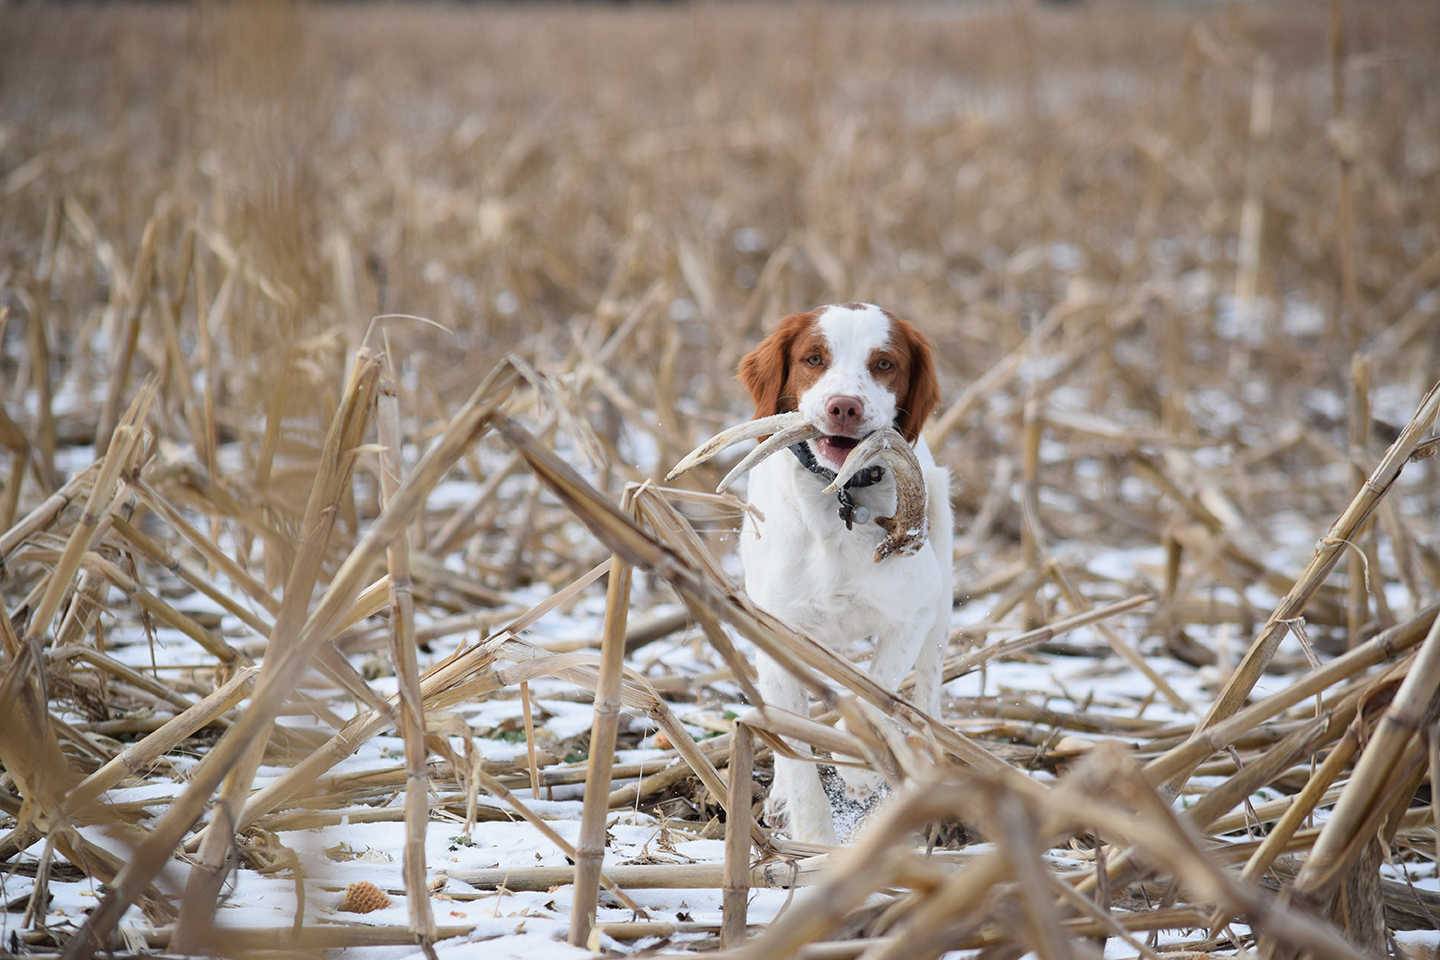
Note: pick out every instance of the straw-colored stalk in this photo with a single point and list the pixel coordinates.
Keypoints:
(30, 751)
(48, 511)
(1262, 771)
(1327, 553)
(1303, 804)
(137, 293)
(736, 888)
(678, 876)
(12, 438)
(407, 671)
(286, 940)
(676, 532)
(591, 850)
(211, 643)
(1345, 225)
(157, 555)
(84, 606)
(31, 755)
(1152, 470)
(998, 376)
(8, 640)
(1252, 209)
(139, 756)
(1397, 728)
(873, 863)
(121, 671)
(1201, 744)
(1106, 794)
(268, 697)
(1118, 643)
(205, 546)
(801, 655)
(968, 663)
(135, 758)
(1206, 740)
(1032, 532)
(1164, 838)
(209, 320)
(628, 540)
(572, 239)
(1357, 569)
(130, 443)
(462, 521)
(44, 446)
(468, 674)
(178, 373)
(498, 789)
(1208, 548)
(1016, 831)
(347, 432)
(716, 751)
(774, 726)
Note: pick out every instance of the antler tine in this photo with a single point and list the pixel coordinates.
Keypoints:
(907, 530)
(748, 430)
(778, 441)
(868, 449)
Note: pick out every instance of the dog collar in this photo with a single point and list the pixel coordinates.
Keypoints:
(849, 512)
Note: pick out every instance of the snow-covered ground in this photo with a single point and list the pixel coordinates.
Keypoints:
(532, 924)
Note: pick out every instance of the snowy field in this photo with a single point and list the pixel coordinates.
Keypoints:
(1181, 268)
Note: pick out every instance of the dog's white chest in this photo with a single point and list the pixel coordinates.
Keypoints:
(804, 566)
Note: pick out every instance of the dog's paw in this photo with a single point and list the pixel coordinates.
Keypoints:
(861, 784)
(799, 822)
(777, 815)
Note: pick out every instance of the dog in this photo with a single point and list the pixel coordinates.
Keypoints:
(849, 370)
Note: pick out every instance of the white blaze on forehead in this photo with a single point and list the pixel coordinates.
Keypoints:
(853, 334)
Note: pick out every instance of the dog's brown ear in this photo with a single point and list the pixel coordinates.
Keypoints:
(923, 395)
(765, 370)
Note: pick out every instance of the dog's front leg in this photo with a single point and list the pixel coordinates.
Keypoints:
(896, 653)
(930, 663)
(797, 800)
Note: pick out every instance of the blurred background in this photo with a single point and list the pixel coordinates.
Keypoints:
(1180, 262)
(1198, 225)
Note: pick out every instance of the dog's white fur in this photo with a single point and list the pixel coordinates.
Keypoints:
(804, 566)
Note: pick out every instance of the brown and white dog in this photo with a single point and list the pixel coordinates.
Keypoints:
(849, 370)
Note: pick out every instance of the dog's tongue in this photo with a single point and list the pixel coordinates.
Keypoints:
(836, 449)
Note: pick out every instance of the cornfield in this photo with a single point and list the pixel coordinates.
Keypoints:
(342, 347)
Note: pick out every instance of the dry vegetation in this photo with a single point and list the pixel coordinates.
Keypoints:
(1181, 266)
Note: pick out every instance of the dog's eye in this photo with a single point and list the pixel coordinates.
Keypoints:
(883, 364)
(813, 360)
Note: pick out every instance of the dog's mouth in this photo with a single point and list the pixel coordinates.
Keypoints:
(835, 449)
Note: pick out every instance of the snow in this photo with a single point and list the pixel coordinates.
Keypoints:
(526, 924)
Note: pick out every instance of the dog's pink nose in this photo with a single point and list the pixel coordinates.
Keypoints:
(844, 413)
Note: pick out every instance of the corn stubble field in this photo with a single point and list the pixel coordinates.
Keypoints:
(1181, 266)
